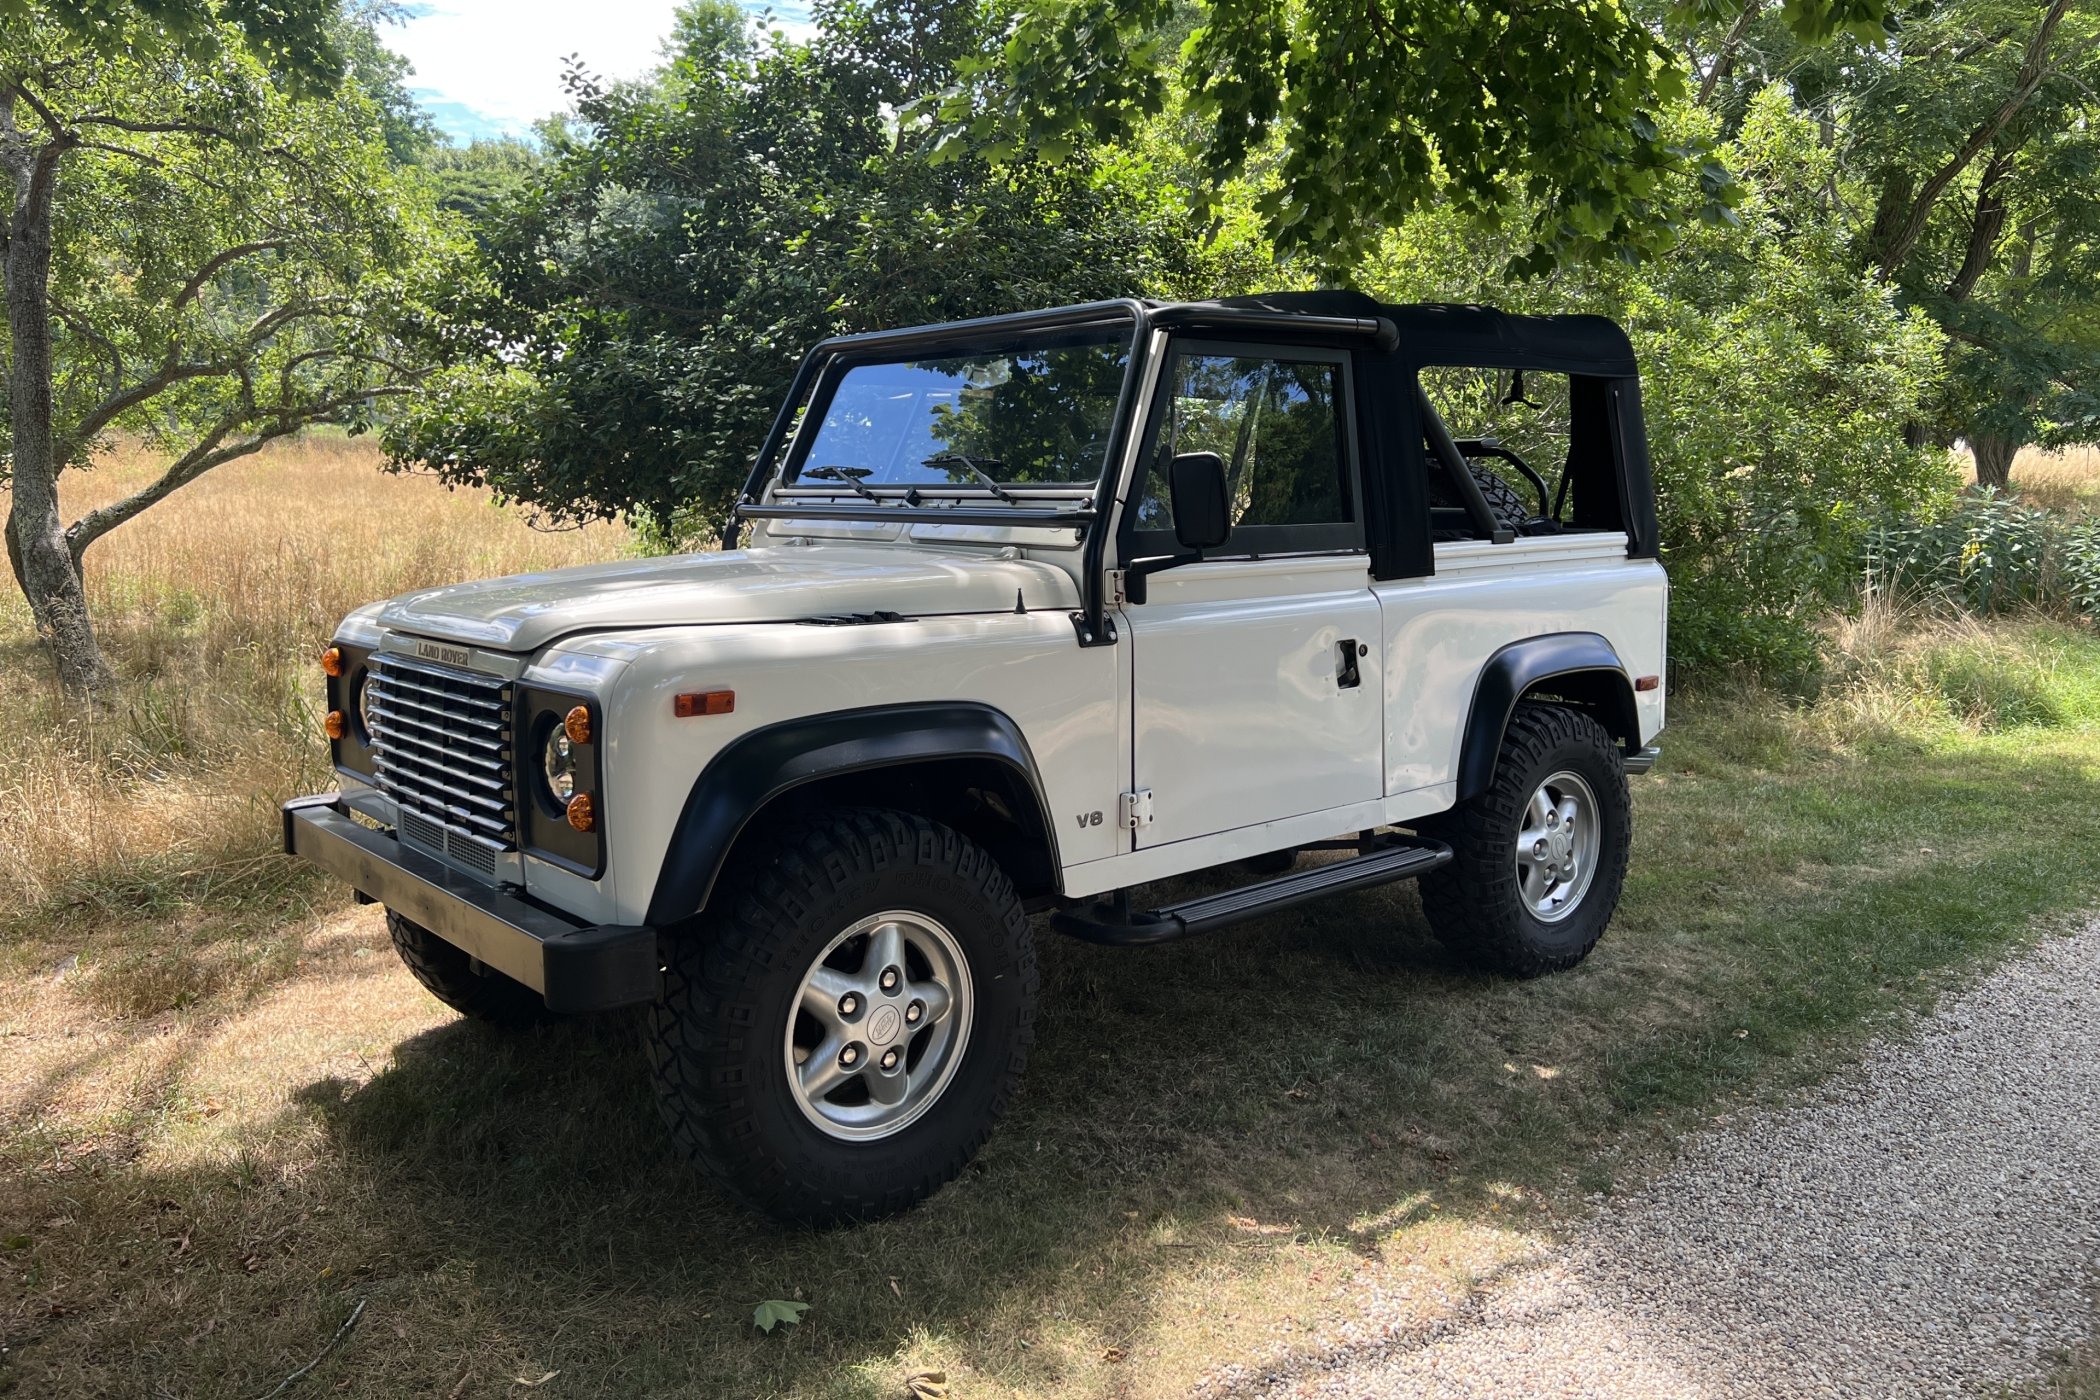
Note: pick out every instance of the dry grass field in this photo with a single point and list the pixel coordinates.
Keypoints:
(2066, 481)
(229, 1119)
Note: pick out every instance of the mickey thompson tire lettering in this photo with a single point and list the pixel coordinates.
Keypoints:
(1476, 904)
(731, 983)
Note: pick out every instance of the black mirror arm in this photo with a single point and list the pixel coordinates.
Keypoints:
(1138, 570)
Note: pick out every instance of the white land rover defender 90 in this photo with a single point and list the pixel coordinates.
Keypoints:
(1030, 611)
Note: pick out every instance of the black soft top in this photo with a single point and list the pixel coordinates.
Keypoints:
(1450, 333)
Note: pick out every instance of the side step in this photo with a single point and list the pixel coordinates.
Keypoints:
(1402, 858)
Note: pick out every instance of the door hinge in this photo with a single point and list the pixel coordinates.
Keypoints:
(1136, 808)
(1118, 595)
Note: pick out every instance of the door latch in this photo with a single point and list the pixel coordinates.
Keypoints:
(1346, 674)
(1136, 809)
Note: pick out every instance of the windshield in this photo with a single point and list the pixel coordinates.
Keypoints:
(1037, 413)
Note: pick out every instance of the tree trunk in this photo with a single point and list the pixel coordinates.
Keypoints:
(1994, 458)
(36, 531)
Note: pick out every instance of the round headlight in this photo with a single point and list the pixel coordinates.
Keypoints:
(365, 720)
(559, 764)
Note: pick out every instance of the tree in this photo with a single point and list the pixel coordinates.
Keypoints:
(1974, 140)
(690, 236)
(1368, 112)
(1777, 376)
(204, 248)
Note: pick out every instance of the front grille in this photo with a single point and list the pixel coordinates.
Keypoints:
(442, 750)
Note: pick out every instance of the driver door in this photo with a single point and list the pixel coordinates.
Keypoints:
(1256, 672)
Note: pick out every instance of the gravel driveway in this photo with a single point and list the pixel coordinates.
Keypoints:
(1926, 1226)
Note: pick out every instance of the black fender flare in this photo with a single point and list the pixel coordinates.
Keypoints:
(1518, 667)
(758, 767)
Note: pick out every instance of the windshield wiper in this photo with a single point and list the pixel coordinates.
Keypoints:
(974, 466)
(849, 476)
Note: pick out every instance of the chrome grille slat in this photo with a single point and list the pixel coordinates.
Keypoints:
(441, 718)
(387, 734)
(442, 747)
(491, 802)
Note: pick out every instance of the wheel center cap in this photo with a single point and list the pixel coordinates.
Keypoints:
(882, 1026)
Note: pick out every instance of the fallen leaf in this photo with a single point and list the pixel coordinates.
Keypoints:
(1113, 1354)
(895, 1289)
(774, 1311)
(529, 1385)
(926, 1385)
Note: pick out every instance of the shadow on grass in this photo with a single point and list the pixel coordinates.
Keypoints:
(1213, 1123)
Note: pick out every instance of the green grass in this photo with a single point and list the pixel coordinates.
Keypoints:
(1215, 1141)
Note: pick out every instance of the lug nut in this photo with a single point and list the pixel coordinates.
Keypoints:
(890, 979)
(1539, 849)
(913, 1012)
(850, 1056)
(889, 1060)
(849, 1004)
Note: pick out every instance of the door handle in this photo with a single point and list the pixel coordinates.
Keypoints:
(1346, 675)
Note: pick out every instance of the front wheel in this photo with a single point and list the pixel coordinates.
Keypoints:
(1538, 858)
(462, 983)
(837, 1042)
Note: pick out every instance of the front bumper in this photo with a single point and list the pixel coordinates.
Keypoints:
(576, 967)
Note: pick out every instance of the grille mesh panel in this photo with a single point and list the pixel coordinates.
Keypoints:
(442, 749)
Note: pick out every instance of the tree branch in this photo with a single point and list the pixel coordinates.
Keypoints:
(217, 263)
(1985, 227)
(211, 451)
(2034, 67)
(103, 414)
(1724, 60)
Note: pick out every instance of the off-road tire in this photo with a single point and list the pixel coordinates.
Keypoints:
(716, 1034)
(468, 987)
(1475, 904)
(1504, 502)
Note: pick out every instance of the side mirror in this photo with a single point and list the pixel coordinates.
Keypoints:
(1202, 509)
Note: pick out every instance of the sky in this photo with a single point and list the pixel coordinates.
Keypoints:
(492, 67)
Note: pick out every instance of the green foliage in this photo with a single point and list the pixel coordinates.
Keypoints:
(1972, 140)
(1368, 117)
(231, 260)
(1777, 383)
(690, 237)
(476, 179)
(298, 38)
(1993, 556)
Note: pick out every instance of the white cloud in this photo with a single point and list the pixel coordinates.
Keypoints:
(485, 67)
(501, 60)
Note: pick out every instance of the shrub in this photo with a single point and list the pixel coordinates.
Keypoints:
(1993, 555)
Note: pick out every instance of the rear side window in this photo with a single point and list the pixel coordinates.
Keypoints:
(1546, 437)
(1279, 421)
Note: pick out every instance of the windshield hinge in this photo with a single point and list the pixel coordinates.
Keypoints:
(1089, 636)
(1136, 808)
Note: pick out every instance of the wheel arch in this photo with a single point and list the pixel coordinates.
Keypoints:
(964, 764)
(1578, 669)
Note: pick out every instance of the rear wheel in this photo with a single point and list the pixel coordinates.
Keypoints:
(836, 1043)
(467, 986)
(1538, 858)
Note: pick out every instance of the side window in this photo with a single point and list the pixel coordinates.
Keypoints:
(1512, 426)
(1280, 425)
(1540, 445)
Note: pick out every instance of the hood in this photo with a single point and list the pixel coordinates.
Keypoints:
(527, 611)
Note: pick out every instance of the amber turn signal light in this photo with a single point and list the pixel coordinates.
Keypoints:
(332, 724)
(577, 725)
(580, 814)
(332, 662)
(1648, 683)
(706, 702)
